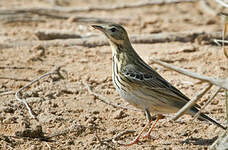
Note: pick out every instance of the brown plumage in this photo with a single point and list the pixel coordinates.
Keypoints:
(139, 84)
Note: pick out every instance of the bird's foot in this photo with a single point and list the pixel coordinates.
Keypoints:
(146, 136)
(135, 141)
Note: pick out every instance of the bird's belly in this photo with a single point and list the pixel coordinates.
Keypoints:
(126, 94)
(139, 100)
(130, 98)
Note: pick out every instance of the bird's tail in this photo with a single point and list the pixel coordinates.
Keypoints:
(202, 116)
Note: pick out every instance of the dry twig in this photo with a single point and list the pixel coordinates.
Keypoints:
(101, 41)
(222, 83)
(11, 18)
(103, 142)
(221, 142)
(16, 79)
(49, 147)
(93, 8)
(32, 114)
(56, 34)
(91, 20)
(51, 35)
(14, 67)
(222, 3)
(191, 103)
(104, 99)
(208, 102)
(226, 97)
(216, 81)
(31, 18)
(114, 139)
(224, 34)
(7, 93)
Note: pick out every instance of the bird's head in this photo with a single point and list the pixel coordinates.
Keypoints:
(114, 32)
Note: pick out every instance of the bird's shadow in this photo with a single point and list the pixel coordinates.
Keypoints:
(199, 141)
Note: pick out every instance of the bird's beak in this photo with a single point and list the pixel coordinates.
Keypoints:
(98, 27)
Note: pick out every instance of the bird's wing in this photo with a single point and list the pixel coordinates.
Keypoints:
(150, 79)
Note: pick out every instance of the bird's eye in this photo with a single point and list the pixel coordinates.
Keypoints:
(113, 29)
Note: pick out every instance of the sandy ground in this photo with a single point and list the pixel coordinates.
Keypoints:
(64, 105)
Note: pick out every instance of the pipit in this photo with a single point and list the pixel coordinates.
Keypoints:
(139, 84)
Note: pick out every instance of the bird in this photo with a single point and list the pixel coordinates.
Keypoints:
(140, 85)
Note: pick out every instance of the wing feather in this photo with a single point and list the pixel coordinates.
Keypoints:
(153, 81)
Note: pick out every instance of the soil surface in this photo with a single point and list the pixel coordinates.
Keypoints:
(72, 117)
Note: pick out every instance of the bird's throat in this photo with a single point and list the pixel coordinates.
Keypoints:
(115, 48)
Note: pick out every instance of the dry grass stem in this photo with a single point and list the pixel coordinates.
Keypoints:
(115, 138)
(88, 41)
(191, 103)
(32, 114)
(222, 3)
(7, 93)
(216, 81)
(16, 79)
(224, 35)
(93, 8)
(208, 102)
(104, 99)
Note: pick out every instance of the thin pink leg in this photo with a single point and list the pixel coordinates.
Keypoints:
(147, 135)
(136, 140)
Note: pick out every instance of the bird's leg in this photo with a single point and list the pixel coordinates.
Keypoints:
(136, 140)
(147, 135)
